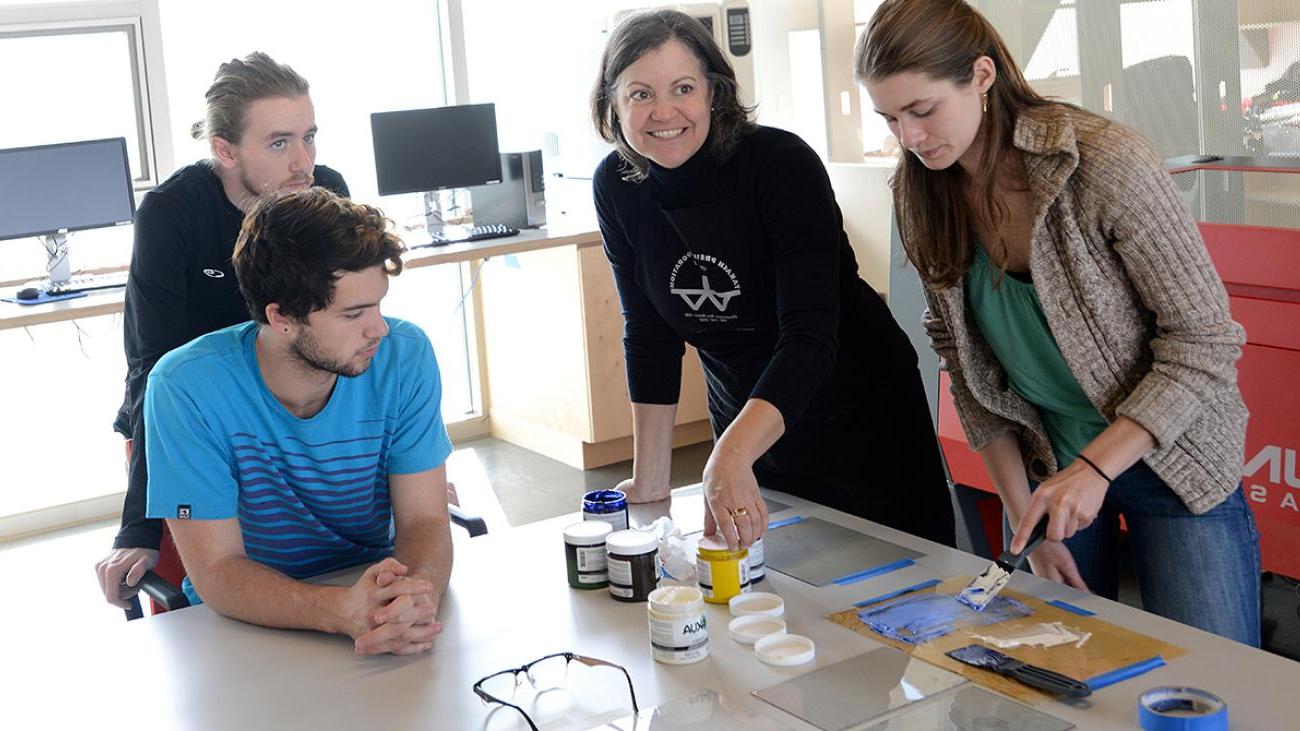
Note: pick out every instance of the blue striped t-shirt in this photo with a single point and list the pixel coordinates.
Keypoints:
(311, 495)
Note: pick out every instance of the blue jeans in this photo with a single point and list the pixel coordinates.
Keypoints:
(1201, 570)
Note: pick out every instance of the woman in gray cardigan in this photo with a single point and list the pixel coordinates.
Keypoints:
(1072, 301)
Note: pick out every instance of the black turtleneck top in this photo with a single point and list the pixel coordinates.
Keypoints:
(747, 261)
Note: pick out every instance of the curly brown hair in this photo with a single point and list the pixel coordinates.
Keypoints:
(644, 32)
(293, 247)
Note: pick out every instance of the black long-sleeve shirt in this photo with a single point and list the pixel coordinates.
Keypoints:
(181, 285)
(747, 261)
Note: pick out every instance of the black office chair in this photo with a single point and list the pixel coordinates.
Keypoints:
(162, 585)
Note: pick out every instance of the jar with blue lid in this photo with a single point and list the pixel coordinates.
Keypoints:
(607, 505)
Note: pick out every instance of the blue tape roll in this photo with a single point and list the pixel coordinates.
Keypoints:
(1182, 709)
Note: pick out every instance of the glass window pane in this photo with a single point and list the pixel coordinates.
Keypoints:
(1053, 65)
(73, 86)
(1270, 79)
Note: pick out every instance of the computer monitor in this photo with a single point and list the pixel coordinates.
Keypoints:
(428, 150)
(48, 191)
(420, 150)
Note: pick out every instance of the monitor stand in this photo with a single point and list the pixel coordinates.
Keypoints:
(56, 263)
(436, 208)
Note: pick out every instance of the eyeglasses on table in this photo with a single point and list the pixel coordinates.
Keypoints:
(544, 673)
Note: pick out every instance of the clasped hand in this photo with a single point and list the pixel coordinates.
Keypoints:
(391, 612)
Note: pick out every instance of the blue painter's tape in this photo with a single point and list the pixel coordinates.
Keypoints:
(900, 592)
(787, 521)
(877, 571)
(1124, 673)
(1071, 608)
(1182, 709)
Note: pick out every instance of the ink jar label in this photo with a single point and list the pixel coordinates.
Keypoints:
(620, 577)
(617, 521)
(679, 628)
(592, 568)
(584, 554)
(632, 564)
(609, 506)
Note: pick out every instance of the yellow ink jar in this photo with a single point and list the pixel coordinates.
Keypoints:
(721, 572)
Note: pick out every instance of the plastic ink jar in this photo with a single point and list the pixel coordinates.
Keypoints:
(632, 558)
(679, 629)
(607, 505)
(756, 562)
(584, 554)
(721, 572)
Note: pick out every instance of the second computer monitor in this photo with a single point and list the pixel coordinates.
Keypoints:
(422, 150)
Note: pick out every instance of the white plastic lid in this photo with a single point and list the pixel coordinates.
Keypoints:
(749, 629)
(757, 602)
(587, 533)
(785, 650)
(630, 542)
(715, 542)
(673, 599)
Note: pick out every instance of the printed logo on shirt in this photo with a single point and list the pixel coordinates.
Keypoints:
(214, 273)
(182, 512)
(697, 285)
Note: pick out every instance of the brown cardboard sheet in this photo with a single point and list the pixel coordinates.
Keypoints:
(1110, 647)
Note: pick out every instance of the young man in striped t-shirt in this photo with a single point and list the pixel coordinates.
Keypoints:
(308, 440)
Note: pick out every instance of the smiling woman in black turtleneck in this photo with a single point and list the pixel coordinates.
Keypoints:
(726, 235)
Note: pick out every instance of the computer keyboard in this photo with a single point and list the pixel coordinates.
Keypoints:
(457, 235)
(87, 283)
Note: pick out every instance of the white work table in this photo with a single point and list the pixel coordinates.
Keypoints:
(509, 603)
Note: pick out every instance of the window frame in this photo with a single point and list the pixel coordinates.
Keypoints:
(140, 20)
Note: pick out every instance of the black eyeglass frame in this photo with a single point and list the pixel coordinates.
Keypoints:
(569, 657)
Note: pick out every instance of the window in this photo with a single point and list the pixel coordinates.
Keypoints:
(83, 75)
(89, 70)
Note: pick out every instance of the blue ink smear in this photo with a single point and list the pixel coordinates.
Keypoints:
(920, 619)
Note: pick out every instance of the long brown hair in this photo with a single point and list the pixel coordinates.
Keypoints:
(643, 32)
(943, 39)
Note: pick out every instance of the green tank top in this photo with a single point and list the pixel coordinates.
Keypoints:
(1011, 319)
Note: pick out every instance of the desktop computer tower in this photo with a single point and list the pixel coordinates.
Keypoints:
(519, 200)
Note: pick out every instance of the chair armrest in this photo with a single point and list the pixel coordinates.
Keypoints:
(472, 523)
(160, 590)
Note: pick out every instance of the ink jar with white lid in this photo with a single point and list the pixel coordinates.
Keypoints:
(679, 628)
(633, 564)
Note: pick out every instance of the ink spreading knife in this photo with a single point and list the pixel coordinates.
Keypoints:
(1043, 679)
(987, 585)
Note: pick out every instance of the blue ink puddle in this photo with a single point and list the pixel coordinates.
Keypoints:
(917, 620)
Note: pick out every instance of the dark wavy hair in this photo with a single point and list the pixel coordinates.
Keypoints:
(942, 39)
(293, 247)
(643, 32)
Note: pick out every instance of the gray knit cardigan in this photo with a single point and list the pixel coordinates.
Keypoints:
(1132, 299)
